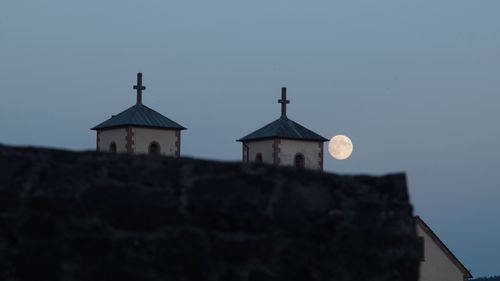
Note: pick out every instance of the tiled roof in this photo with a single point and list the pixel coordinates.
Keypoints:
(139, 115)
(283, 128)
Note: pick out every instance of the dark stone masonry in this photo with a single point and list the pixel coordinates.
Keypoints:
(93, 216)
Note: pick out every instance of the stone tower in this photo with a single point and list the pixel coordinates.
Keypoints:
(284, 142)
(139, 129)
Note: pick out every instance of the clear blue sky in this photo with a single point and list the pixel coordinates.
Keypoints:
(414, 84)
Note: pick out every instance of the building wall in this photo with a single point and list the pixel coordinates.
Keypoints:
(137, 140)
(105, 137)
(312, 152)
(264, 147)
(282, 152)
(167, 139)
(436, 265)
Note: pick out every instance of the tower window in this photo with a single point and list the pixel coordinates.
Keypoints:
(299, 161)
(258, 158)
(154, 148)
(112, 147)
(421, 244)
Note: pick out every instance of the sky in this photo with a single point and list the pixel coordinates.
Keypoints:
(414, 84)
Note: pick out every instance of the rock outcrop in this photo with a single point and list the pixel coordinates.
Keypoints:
(93, 216)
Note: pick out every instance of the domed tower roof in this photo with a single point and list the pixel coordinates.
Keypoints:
(139, 115)
(283, 128)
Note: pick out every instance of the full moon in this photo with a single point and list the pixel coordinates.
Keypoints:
(340, 147)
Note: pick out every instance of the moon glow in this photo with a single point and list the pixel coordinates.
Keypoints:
(340, 147)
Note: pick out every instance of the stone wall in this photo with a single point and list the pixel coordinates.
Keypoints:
(94, 216)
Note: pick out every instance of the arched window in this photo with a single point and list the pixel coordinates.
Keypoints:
(258, 158)
(154, 148)
(112, 147)
(299, 161)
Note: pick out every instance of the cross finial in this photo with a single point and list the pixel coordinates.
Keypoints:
(139, 88)
(283, 102)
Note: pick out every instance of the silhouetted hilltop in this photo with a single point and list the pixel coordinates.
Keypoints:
(91, 216)
(491, 278)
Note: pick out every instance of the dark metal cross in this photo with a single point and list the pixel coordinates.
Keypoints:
(139, 88)
(283, 101)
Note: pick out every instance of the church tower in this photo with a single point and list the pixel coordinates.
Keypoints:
(139, 130)
(284, 142)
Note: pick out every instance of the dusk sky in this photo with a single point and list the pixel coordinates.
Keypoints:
(415, 84)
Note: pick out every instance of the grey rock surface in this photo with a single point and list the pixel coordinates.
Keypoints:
(93, 216)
